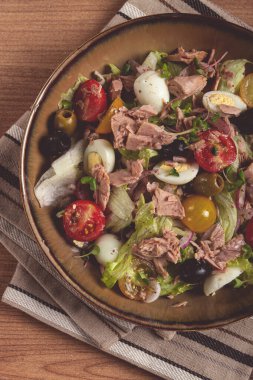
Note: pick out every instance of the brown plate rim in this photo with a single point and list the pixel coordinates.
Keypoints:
(85, 296)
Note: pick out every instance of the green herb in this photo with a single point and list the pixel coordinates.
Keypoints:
(214, 150)
(91, 181)
(144, 154)
(126, 69)
(200, 124)
(238, 180)
(175, 104)
(173, 172)
(215, 117)
(193, 137)
(154, 120)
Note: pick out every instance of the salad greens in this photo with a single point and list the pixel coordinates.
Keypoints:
(227, 213)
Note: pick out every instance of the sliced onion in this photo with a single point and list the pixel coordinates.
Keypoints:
(153, 292)
(240, 197)
(185, 240)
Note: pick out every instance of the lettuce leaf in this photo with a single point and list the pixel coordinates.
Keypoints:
(66, 97)
(146, 226)
(114, 69)
(144, 154)
(227, 213)
(246, 278)
(232, 73)
(169, 287)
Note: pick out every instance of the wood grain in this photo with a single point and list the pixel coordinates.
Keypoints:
(35, 36)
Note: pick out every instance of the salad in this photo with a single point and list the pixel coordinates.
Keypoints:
(151, 173)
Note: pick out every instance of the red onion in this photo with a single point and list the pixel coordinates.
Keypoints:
(240, 197)
(185, 240)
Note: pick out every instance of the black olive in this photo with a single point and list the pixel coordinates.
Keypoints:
(55, 144)
(193, 271)
(177, 148)
(244, 122)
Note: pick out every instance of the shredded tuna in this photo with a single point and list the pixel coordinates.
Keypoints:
(249, 174)
(102, 193)
(229, 110)
(126, 122)
(161, 264)
(140, 186)
(127, 176)
(217, 236)
(121, 125)
(116, 88)
(244, 153)
(223, 125)
(230, 251)
(182, 87)
(166, 204)
(219, 257)
(187, 56)
(167, 246)
(245, 213)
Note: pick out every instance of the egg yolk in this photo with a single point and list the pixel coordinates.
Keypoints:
(221, 99)
(179, 167)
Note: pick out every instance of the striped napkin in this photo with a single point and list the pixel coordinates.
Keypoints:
(37, 289)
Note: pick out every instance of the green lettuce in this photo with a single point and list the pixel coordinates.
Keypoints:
(66, 97)
(114, 69)
(146, 226)
(144, 154)
(121, 207)
(169, 287)
(227, 213)
(232, 73)
(245, 264)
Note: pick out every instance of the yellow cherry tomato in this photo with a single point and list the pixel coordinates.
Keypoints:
(104, 126)
(246, 90)
(200, 213)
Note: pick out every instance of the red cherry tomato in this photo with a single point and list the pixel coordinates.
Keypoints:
(249, 233)
(89, 101)
(217, 151)
(83, 221)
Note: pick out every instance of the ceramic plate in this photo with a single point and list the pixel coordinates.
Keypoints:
(130, 40)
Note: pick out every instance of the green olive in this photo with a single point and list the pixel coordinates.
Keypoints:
(66, 121)
(208, 184)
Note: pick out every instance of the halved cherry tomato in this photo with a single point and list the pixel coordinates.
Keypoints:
(200, 213)
(83, 221)
(105, 124)
(89, 101)
(246, 90)
(135, 284)
(217, 151)
(249, 233)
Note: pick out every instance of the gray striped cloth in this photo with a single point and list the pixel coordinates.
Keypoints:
(37, 289)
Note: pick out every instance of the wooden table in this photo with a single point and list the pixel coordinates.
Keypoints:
(35, 36)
